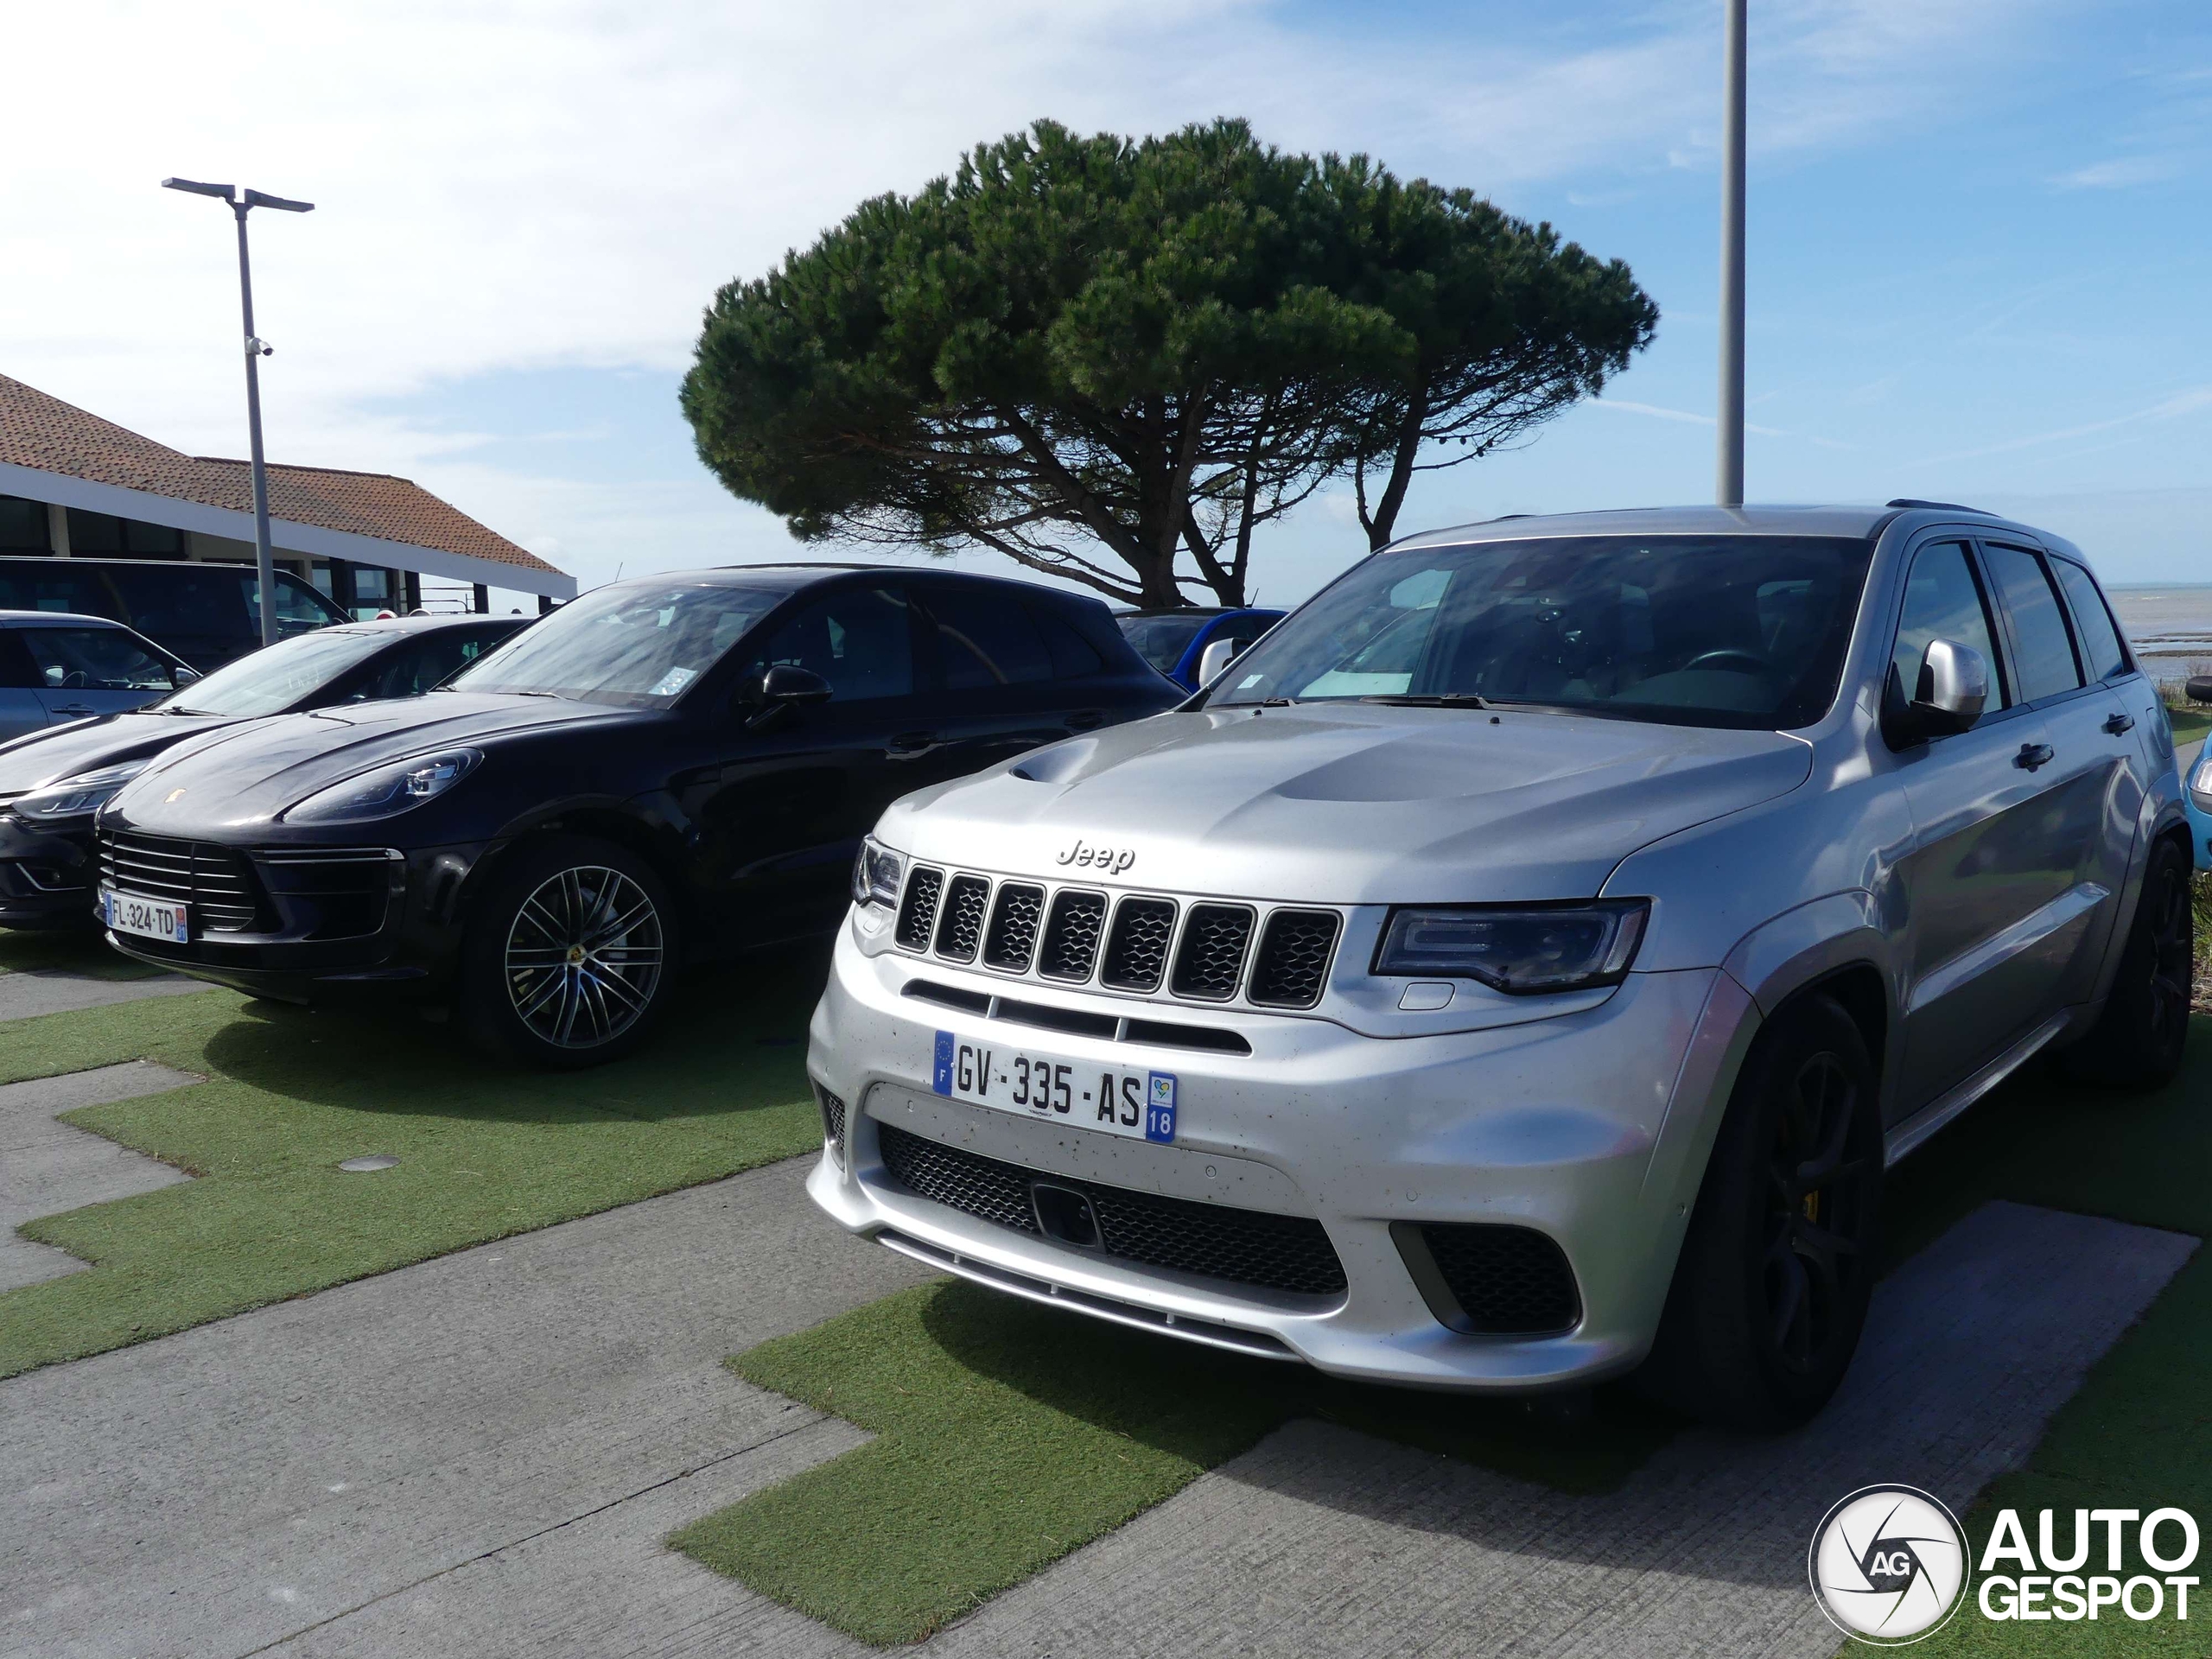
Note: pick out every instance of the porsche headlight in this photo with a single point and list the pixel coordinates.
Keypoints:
(877, 872)
(1518, 948)
(72, 797)
(393, 788)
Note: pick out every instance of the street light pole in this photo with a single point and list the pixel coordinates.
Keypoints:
(1729, 470)
(241, 203)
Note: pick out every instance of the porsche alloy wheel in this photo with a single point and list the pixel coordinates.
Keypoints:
(583, 957)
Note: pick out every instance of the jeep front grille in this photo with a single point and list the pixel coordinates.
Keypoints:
(1143, 944)
(1294, 958)
(1136, 953)
(1071, 935)
(960, 925)
(1014, 926)
(1211, 958)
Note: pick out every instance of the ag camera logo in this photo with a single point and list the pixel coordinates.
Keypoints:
(1889, 1565)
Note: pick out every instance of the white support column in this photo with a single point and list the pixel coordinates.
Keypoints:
(57, 528)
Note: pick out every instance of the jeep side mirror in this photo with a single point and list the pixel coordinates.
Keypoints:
(1954, 686)
(1215, 659)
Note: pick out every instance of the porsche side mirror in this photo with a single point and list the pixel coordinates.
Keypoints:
(784, 687)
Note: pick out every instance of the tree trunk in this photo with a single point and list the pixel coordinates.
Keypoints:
(1381, 527)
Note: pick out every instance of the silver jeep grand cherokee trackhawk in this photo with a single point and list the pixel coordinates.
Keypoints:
(1521, 965)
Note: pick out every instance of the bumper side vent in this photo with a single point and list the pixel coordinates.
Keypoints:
(1248, 1247)
(833, 1121)
(1292, 961)
(1210, 959)
(918, 911)
(1071, 935)
(1490, 1280)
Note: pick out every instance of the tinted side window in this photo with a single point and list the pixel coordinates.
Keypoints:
(414, 669)
(41, 586)
(857, 639)
(986, 639)
(94, 659)
(17, 671)
(1074, 657)
(1942, 601)
(2045, 653)
(2102, 654)
(187, 599)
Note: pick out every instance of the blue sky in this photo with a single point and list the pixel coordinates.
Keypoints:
(1980, 253)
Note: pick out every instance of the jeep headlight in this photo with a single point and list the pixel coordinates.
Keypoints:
(384, 791)
(72, 797)
(1516, 948)
(877, 872)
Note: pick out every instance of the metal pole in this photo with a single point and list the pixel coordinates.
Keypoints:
(1729, 480)
(264, 562)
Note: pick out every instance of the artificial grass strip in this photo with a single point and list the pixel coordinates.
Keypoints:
(486, 1148)
(1009, 1434)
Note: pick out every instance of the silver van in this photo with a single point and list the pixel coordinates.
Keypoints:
(1518, 969)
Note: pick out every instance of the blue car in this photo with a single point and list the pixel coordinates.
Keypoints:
(1173, 641)
(2197, 798)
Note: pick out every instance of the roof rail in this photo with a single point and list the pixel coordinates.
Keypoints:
(1948, 506)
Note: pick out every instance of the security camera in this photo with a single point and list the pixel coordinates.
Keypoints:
(257, 347)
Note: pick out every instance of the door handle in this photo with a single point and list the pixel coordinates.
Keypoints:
(2032, 756)
(73, 709)
(2117, 723)
(1086, 720)
(909, 744)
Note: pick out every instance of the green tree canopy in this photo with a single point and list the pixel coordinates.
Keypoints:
(1105, 357)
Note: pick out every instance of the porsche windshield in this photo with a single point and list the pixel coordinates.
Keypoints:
(1739, 631)
(637, 645)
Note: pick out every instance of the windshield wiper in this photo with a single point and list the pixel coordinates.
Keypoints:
(173, 709)
(1431, 699)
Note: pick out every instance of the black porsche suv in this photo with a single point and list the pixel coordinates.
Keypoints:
(669, 769)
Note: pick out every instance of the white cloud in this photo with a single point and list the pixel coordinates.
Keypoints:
(2120, 174)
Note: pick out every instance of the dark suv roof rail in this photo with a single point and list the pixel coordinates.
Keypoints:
(1948, 506)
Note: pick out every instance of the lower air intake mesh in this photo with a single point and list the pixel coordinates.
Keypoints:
(1509, 1282)
(1246, 1247)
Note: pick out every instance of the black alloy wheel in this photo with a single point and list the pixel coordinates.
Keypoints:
(1819, 1188)
(571, 955)
(2138, 1040)
(1777, 1264)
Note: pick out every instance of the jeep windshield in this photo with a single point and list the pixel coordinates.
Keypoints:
(1733, 631)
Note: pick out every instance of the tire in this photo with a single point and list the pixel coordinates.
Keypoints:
(544, 976)
(1771, 1290)
(2138, 1040)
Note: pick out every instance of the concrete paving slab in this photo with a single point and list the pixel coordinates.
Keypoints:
(1321, 1540)
(48, 1167)
(347, 1454)
(51, 990)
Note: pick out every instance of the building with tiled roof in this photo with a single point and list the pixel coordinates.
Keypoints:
(73, 485)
